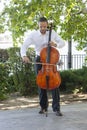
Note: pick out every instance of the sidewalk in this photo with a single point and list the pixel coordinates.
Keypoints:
(74, 118)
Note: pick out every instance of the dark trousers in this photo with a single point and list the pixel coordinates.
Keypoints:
(43, 93)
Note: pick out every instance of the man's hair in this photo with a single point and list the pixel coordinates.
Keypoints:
(43, 19)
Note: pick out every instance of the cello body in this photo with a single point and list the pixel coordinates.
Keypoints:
(48, 77)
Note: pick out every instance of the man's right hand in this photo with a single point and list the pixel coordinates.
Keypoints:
(26, 59)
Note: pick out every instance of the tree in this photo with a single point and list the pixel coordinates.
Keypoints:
(75, 23)
(20, 16)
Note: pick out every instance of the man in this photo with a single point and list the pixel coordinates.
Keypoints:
(39, 38)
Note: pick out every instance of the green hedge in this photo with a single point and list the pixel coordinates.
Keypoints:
(4, 80)
(15, 76)
(74, 81)
(23, 74)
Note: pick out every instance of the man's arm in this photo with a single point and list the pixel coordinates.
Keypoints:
(58, 40)
(24, 48)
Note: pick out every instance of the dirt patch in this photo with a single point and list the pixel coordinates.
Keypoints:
(16, 102)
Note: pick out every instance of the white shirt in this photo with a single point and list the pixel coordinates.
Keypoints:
(39, 41)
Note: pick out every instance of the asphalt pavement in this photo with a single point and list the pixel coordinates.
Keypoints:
(74, 118)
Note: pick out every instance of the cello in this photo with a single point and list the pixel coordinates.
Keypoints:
(48, 77)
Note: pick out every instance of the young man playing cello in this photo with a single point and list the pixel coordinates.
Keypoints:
(39, 38)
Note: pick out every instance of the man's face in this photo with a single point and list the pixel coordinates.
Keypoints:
(43, 27)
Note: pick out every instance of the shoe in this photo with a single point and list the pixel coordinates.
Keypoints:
(42, 111)
(58, 113)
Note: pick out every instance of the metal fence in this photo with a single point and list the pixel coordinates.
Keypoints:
(77, 61)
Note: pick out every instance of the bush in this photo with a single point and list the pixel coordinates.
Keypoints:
(74, 80)
(4, 81)
(3, 55)
(23, 74)
(15, 76)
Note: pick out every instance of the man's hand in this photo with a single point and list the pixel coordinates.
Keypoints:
(53, 44)
(26, 59)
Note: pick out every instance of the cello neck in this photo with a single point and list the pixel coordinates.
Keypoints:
(49, 47)
(50, 30)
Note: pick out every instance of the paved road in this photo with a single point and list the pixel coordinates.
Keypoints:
(74, 118)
